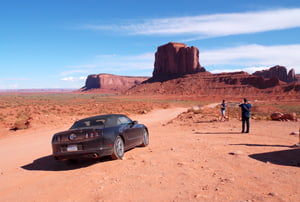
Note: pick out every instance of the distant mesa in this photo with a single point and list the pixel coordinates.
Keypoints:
(279, 72)
(110, 82)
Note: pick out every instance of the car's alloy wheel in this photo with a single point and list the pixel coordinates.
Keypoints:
(118, 151)
(145, 138)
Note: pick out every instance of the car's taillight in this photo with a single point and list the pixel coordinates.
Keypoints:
(57, 138)
(92, 134)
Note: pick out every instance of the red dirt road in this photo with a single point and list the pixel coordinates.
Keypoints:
(210, 161)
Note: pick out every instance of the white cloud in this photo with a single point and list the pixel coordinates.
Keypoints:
(211, 25)
(131, 63)
(246, 69)
(139, 65)
(12, 83)
(10, 86)
(77, 70)
(74, 79)
(127, 58)
(252, 57)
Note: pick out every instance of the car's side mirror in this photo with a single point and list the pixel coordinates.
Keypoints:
(131, 124)
(134, 122)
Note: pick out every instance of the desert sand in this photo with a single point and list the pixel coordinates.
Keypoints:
(199, 161)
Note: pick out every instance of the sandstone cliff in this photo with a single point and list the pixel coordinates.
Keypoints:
(112, 82)
(226, 85)
(173, 60)
(279, 72)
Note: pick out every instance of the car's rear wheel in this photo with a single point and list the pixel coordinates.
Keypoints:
(145, 138)
(118, 150)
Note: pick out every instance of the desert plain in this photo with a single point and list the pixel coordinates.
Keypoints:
(192, 156)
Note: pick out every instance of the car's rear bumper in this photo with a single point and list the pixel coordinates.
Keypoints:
(59, 153)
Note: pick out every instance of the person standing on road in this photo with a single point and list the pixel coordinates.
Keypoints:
(223, 110)
(245, 107)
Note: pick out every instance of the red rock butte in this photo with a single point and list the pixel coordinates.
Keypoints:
(174, 60)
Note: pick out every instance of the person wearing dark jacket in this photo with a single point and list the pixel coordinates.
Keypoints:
(245, 107)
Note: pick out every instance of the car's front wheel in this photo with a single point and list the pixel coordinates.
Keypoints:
(118, 150)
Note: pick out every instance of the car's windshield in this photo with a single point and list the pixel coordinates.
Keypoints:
(102, 121)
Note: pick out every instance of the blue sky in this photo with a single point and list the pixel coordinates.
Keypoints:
(57, 43)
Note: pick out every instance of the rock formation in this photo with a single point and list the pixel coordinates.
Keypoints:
(177, 71)
(112, 82)
(278, 116)
(279, 72)
(174, 60)
(236, 84)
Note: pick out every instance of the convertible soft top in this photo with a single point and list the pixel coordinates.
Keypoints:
(108, 120)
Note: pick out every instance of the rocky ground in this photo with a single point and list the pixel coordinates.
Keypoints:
(191, 157)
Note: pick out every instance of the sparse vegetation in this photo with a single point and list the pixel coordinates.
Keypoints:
(22, 120)
(18, 109)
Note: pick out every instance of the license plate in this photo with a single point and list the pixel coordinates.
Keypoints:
(72, 147)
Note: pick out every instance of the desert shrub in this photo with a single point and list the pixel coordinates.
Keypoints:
(22, 120)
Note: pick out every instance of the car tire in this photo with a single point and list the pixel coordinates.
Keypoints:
(118, 149)
(145, 138)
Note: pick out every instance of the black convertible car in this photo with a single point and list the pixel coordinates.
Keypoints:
(97, 136)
